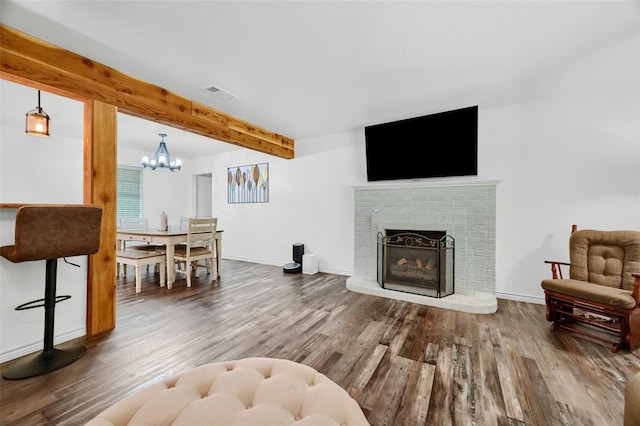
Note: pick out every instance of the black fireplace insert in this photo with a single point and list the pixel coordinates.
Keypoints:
(419, 262)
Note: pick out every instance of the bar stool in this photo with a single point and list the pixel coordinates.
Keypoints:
(50, 232)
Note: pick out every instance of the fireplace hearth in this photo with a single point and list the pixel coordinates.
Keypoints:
(418, 262)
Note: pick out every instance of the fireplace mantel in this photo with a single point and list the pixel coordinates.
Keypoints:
(428, 183)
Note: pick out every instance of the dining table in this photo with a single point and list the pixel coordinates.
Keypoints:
(169, 238)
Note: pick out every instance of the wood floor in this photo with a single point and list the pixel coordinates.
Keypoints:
(405, 364)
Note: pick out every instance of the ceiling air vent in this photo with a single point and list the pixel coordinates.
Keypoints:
(219, 93)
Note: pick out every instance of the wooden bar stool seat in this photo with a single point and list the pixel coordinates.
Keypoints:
(50, 232)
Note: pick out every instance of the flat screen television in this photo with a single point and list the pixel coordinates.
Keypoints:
(443, 144)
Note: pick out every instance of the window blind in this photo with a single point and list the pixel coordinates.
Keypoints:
(129, 195)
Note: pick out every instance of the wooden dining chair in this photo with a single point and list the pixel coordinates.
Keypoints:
(137, 224)
(184, 225)
(200, 246)
(50, 232)
(184, 222)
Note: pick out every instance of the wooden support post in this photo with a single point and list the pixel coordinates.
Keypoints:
(100, 181)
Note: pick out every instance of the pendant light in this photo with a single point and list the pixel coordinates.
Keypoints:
(37, 121)
(162, 160)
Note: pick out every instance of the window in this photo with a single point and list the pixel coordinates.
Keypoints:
(129, 196)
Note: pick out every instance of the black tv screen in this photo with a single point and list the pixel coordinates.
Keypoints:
(436, 145)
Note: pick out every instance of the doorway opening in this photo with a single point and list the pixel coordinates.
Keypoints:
(203, 187)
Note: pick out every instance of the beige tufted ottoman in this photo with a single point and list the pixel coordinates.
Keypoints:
(632, 401)
(251, 391)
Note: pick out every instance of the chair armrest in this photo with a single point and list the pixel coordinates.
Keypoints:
(556, 269)
(636, 289)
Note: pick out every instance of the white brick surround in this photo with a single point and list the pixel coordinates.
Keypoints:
(464, 208)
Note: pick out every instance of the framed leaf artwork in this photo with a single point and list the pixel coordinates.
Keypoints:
(248, 184)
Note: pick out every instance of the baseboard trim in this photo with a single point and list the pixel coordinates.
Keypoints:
(520, 298)
(272, 263)
(35, 347)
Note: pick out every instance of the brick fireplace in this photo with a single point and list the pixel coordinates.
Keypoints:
(465, 208)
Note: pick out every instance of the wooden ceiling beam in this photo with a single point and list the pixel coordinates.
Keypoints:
(28, 58)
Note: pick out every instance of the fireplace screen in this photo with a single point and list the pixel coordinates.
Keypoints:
(419, 262)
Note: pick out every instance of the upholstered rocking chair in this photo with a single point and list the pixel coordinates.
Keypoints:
(601, 297)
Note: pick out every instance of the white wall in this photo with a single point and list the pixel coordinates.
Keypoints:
(28, 176)
(310, 202)
(568, 156)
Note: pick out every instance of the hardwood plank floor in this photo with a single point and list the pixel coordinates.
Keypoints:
(406, 364)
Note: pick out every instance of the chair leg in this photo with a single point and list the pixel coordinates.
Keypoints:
(189, 271)
(162, 273)
(50, 358)
(139, 278)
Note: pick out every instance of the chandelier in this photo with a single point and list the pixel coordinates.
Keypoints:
(162, 159)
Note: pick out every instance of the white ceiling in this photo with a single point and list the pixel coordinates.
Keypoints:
(311, 68)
